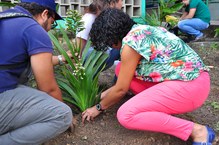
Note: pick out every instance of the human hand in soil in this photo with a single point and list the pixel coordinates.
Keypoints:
(89, 114)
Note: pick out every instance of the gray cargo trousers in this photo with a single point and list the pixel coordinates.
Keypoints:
(31, 117)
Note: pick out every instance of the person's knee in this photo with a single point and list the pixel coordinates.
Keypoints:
(124, 117)
(180, 25)
(67, 115)
(63, 116)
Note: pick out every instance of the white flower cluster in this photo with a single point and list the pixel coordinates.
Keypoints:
(79, 71)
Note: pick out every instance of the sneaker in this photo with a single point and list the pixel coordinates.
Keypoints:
(198, 38)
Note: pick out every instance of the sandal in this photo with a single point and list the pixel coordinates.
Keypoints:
(210, 139)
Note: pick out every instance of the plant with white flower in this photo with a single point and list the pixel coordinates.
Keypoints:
(78, 79)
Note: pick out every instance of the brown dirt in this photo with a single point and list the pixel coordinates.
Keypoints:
(105, 129)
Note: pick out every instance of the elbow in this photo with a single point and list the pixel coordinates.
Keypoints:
(122, 91)
(55, 92)
(121, 88)
(50, 90)
(47, 88)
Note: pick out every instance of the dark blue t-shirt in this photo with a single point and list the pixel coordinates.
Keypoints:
(20, 38)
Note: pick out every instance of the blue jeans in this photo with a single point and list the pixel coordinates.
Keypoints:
(114, 54)
(31, 117)
(192, 26)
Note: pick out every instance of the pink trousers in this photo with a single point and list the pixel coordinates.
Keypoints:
(152, 107)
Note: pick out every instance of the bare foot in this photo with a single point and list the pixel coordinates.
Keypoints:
(199, 133)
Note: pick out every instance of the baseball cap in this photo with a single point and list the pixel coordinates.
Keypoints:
(47, 3)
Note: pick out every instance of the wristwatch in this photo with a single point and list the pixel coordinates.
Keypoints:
(60, 59)
(99, 107)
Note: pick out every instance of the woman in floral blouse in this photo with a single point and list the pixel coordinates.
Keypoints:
(167, 76)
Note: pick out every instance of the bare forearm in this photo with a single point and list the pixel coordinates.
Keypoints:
(104, 94)
(190, 14)
(183, 16)
(187, 17)
(112, 96)
(42, 68)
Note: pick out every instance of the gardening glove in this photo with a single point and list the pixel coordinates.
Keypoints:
(89, 114)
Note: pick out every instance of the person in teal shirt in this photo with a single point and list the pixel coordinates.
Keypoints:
(166, 76)
(195, 18)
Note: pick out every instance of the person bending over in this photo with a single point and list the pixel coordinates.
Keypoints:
(165, 74)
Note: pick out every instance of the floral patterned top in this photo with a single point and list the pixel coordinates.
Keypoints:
(164, 55)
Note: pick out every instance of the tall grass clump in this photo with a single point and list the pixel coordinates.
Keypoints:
(78, 78)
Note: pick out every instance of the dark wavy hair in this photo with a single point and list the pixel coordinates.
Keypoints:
(109, 28)
(36, 9)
